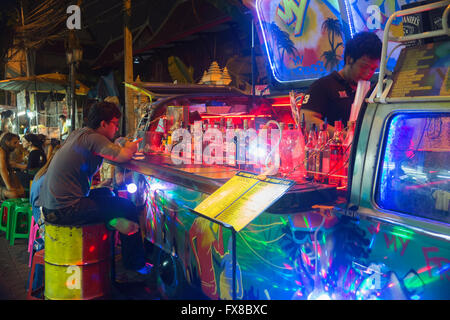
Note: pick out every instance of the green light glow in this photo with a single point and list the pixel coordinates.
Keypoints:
(402, 233)
(306, 221)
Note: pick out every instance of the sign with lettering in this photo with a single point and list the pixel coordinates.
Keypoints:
(242, 198)
(422, 71)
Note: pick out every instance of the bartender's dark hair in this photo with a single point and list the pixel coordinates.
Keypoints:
(102, 111)
(363, 44)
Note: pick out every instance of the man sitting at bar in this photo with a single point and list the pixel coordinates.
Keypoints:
(66, 195)
(332, 96)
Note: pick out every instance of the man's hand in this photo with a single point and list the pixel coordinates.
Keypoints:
(127, 152)
(133, 145)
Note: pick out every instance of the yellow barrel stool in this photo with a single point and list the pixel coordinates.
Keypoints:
(77, 262)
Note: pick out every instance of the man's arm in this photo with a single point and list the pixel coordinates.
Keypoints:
(316, 99)
(315, 103)
(4, 170)
(21, 166)
(120, 154)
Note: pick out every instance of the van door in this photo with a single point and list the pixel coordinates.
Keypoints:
(400, 191)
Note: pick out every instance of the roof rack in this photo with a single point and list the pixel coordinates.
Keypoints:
(380, 90)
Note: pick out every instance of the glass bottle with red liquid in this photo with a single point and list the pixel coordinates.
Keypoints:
(347, 148)
(322, 155)
(310, 161)
(286, 148)
(337, 155)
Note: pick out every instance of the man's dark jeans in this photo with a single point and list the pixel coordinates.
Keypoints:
(102, 206)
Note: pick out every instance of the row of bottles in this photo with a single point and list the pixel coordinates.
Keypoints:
(201, 140)
(312, 155)
(326, 160)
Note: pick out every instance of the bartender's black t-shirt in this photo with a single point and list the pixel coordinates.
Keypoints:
(332, 97)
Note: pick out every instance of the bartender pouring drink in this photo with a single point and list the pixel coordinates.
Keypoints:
(332, 96)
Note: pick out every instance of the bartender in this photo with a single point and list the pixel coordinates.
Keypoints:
(332, 96)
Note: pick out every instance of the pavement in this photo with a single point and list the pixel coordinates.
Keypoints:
(14, 272)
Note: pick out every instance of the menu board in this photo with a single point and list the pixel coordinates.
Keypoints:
(242, 198)
(422, 71)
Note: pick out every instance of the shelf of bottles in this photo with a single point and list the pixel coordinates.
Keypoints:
(258, 144)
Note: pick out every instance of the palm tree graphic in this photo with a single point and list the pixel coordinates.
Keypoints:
(333, 28)
(282, 42)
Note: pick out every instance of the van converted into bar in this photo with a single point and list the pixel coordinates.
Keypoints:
(374, 224)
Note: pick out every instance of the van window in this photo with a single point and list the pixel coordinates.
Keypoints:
(415, 166)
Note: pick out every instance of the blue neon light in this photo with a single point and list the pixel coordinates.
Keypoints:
(349, 18)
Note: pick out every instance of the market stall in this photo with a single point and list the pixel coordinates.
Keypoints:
(359, 214)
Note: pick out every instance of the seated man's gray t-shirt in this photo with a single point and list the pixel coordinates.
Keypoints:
(69, 175)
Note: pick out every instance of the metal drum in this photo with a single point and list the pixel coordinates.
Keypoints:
(77, 262)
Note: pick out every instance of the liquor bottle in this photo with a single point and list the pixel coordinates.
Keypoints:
(303, 127)
(336, 155)
(285, 158)
(197, 144)
(230, 145)
(240, 149)
(298, 154)
(310, 162)
(246, 152)
(168, 146)
(322, 156)
(290, 143)
(348, 147)
(205, 142)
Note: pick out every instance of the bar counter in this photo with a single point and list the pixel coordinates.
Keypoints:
(208, 178)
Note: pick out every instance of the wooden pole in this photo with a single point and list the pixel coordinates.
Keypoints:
(128, 65)
(27, 63)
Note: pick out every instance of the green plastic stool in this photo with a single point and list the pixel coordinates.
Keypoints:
(6, 211)
(20, 222)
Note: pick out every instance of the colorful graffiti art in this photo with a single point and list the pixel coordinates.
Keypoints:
(294, 256)
(304, 39)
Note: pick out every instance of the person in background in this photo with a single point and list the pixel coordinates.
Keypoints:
(45, 143)
(36, 156)
(37, 182)
(63, 128)
(332, 96)
(52, 145)
(10, 186)
(18, 157)
(66, 195)
(7, 118)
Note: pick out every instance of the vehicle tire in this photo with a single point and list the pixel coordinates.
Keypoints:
(169, 276)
